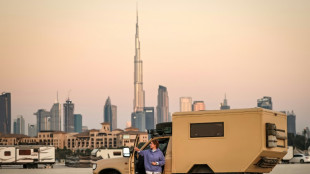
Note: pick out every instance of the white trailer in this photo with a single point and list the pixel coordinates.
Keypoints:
(27, 155)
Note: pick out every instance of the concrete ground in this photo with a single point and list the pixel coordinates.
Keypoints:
(61, 169)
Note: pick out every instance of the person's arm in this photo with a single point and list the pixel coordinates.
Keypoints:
(161, 161)
(141, 152)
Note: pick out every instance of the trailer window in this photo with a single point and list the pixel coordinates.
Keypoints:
(207, 130)
(24, 152)
(7, 153)
(117, 153)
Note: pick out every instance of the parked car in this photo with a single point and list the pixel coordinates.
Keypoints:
(300, 158)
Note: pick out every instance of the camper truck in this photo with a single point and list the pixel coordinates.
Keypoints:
(27, 155)
(236, 141)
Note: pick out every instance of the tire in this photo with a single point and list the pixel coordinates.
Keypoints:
(302, 161)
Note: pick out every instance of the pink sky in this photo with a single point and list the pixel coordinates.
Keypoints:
(202, 49)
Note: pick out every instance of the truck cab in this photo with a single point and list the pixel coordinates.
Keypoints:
(239, 141)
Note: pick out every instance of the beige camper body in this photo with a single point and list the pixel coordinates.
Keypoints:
(223, 141)
(241, 147)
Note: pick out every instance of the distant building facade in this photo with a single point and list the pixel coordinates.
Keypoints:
(185, 104)
(56, 117)
(103, 138)
(32, 130)
(198, 106)
(5, 113)
(265, 102)
(107, 112)
(84, 128)
(149, 117)
(224, 105)
(138, 120)
(78, 123)
(114, 117)
(19, 125)
(291, 123)
(162, 105)
(43, 120)
(68, 116)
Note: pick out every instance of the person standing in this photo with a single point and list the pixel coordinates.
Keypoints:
(153, 158)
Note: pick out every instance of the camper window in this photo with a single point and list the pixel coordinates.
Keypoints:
(24, 152)
(207, 130)
(117, 153)
(7, 153)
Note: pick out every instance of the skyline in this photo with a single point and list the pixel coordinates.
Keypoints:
(199, 49)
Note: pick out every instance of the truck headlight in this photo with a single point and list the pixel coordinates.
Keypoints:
(94, 166)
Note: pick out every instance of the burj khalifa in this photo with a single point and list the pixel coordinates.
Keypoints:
(138, 103)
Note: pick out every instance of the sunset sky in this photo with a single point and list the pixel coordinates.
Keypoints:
(199, 48)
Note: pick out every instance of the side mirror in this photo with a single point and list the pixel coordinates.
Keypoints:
(126, 152)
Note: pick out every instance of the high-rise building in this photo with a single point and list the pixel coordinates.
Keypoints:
(68, 116)
(5, 113)
(224, 105)
(138, 75)
(114, 117)
(84, 128)
(291, 123)
(149, 117)
(32, 130)
(138, 120)
(198, 106)
(107, 111)
(43, 120)
(265, 102)
(19, 125)
(78, 123)
(56, 116)
(15, 126)
(162, 105)
(185, 104)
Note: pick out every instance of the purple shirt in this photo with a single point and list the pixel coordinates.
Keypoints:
(150, 156)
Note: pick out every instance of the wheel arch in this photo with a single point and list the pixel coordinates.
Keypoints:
(109, 171)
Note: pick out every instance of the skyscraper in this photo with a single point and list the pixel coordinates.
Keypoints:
(56, 116)
(32, 130)
(162, 105)
(114, 117)
(291, 123)
(5, 113)
(138, 75)
(265, 102)
(19, 125)
(224, 105)
(149, 117)
(78, 123)
(107, 111)
(68, 116)
(43, 120)
(185, 104)
(138, 120)
(198, 106)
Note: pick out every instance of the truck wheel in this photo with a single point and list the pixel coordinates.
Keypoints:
(302, 161)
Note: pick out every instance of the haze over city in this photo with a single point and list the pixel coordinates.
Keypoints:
(201, 49)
